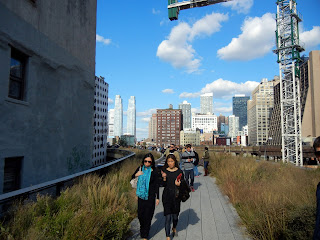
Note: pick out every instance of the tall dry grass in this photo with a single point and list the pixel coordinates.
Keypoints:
(274, 201)
(95, 208)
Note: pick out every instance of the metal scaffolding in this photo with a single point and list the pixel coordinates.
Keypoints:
(288, 51)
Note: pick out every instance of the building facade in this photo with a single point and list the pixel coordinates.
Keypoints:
(221, 119)
(100, 125)
(259, 111)
(239, 108)
(206, 103)
(190, 136)
(111, 123)
(47, 55)
(118, 116)
(153, 128)
(169, 124)
(186, 114)
(233, 126)
(207, 123)
(131, 117)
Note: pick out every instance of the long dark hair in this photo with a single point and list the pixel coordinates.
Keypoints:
(153, 165)
(173, 157)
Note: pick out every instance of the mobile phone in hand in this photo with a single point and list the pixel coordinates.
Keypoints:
(179, 177)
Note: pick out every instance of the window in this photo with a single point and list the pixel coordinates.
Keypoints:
(12, 174)
(17, 75)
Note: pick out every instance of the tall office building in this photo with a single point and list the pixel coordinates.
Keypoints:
(169, 123)
(259, 111)
(153, 128)
(118, 116)
(233, 126)
(207, 123)
(111, 123)
(186, 114)
(206, 103)
(310, 107)
(239, 108)
(131, 117)
(100, 125)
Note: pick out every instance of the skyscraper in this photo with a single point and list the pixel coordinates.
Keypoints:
(131, 116)
(111, 123)
(186, 114)
(206, 103)
(233, 126)
(118, 116)
(239, 108)
(153, 128)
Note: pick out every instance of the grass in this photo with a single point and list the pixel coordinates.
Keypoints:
(274, 201)
(95, 208)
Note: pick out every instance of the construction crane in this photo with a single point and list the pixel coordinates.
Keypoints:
(174, 6)
(288, 51)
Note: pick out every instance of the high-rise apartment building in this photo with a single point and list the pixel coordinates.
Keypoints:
(233, 126)
(310, 107)
(239, 108)
(100, 125)
(190, 136)
(47, 79)
(186, 114)
(206, 103)
(207, 123)
(169, 124)
(118, 116)
(131, 117)
(259, 111)
(153, 128)
(111, 123)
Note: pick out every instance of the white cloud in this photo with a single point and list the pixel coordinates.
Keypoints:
(189, 95)
(177, 49)
(146, 119)
(168, 90)
(105, 41)
(224, 110)
(241, 6)
(155, 12)
(147, 113)
(310, 38)
(195, 110)
(110, 101)
(256, 40)
(223, 89)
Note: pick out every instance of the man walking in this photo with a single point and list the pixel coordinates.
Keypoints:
(172, 150)
(188, 159)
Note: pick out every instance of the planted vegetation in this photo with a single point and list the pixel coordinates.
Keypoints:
(274, 200)
(95, 208)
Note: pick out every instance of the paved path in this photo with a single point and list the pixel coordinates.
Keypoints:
(206, 215)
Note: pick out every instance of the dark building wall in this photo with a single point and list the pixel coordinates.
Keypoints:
(239, 108)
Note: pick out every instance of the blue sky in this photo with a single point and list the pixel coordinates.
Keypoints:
(223, 48)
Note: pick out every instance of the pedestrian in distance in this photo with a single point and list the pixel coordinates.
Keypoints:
(206, 158)
(196, 162)
(147, 192)
(171, 175)
(172, 149)
(188, 159)
(316, 234)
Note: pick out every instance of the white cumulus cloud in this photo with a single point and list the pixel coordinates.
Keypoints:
(170, 91)
(310, 38)
(146, 119)
(241, 6)
(110, 101)
(103, 40)
(177, 48)
(256, 40)
(147, 113)
(189, 95)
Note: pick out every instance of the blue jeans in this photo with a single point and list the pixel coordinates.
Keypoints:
(189, 174)
(196, 172)
(205, 164)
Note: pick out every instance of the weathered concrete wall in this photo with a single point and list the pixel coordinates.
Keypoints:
(52, 128)
(69, 23)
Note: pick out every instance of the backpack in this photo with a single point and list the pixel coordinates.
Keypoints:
(196, 162)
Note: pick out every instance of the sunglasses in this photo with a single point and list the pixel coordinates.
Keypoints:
(146, 161)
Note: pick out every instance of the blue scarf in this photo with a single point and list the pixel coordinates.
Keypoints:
(143, 183)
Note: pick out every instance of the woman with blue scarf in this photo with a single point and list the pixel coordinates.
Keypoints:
(147, 192)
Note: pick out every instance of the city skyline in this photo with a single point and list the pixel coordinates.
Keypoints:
(208, 50)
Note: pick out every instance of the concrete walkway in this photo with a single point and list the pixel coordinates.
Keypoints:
(206, 215)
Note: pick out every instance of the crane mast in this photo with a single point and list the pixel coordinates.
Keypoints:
(288, 51)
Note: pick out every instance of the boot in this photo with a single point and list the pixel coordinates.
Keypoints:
(205, 172)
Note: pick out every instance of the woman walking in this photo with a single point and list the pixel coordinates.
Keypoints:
(206, 158)
(171, 203)
(147, 192)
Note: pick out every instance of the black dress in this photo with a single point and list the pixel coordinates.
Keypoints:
(171, 204)
(146, 207)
